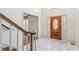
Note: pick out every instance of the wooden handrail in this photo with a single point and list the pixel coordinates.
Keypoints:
(14, 24)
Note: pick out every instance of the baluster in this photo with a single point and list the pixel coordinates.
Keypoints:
(27, 39)
(23, 42)
(10, 37)
(17, 39)
(31, 42)
(35, 41)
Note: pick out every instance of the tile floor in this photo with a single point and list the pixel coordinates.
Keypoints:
(47, 44)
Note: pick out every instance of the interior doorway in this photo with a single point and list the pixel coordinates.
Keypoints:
(30, 24)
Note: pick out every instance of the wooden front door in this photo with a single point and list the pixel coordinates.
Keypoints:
(55, 27)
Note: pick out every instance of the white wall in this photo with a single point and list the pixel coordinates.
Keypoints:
(44, 24)
(16, 15)
(71, 14)
(77, 27)
(72, 20)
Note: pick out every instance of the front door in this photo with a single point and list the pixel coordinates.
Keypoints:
(55, 27)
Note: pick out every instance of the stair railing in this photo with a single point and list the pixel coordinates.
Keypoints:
(31, 34)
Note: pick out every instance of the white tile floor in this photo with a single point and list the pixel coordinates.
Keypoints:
(48, 44)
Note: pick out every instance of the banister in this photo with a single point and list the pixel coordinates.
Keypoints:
(3, 17)
(14, 24)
